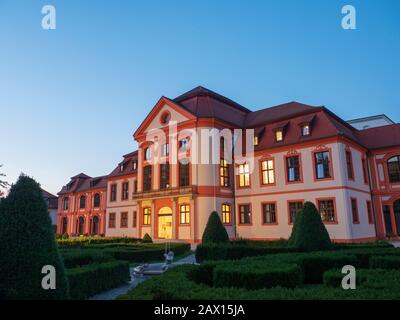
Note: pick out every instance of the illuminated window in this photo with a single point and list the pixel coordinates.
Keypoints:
(226, 214)
(244, 175)
(184, 211)
(279, 135)
(146, 216)
(255, 141)
(267, 171)
(224, 173)
(305, 130)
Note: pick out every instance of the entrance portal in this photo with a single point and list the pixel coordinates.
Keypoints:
(165, 223)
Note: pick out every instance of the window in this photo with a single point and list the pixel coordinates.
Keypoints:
(165, 117)
(269, 213)
(165, 150)
(294, 209)
(322, 165)
(66, 204)
(365, 171)
(134, 165)
(125, 190)
(146, 216)
(184, 211)
(113, 194)
(244, 175)
(388, 220)
(354, 210)
(293, 168)
(279, 135)
(393, 165)
(370, 214)
(267, 172)
(255, 141)
(184, 144)
(135, 185)
(184, 173)
(305, 130)
(111, 220)
(147, 153)
(124, 219)
(134, 219)
(226, 213)
(82, 202)
(164, 176)
(224, 173)
(327, 210)
(96, 200)
(147, 177)
(244, 214)
(349, 164)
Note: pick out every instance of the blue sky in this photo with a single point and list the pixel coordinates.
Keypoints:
(71, 98)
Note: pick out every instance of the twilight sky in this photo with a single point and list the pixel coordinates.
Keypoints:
(71, 98)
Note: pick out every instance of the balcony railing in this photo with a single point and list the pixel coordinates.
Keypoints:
(164, 192)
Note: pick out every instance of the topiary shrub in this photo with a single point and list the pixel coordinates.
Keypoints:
(147, 239)
(27, 244)
(215, 231)
(309, 233)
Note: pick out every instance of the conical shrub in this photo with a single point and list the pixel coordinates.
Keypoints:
(215, 230)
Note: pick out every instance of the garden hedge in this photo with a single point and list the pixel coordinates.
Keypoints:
(384, 262)
(214, 232)
(75, 258)
(83, 241)
(94, 278)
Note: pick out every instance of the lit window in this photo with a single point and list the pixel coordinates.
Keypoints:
(305, 130)
(226, 214)
(269, 213)
(184, 214)
(267, 171)
(146, 216)
(224, 173)
(244, 175)
(327, 210)
(279, 135)
(255, 141)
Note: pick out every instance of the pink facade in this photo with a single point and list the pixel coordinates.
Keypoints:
(301, 153)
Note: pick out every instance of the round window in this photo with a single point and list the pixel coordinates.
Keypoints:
(165, 117)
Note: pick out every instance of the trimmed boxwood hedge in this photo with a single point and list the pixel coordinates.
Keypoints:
(145, 254)
(333, 278)
(75, 258)
(384, 262)
(94, 278)
(83, 241)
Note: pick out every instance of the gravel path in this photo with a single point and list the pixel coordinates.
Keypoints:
(116, 292)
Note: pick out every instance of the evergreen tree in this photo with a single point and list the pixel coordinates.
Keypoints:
(309, 233)
(215, 231)
(27, 244)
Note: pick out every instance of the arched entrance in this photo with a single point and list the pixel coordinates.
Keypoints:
(81, 225)
(95, 225)
(165, 223)
(64, 225)
(396, 210)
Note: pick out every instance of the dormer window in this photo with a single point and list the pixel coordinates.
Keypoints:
(147, 153)
(255, 141)
(121, 167)
(134, 165)
(305, 130)
(279, 135)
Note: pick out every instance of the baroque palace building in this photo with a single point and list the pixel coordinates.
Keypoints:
(301, 153)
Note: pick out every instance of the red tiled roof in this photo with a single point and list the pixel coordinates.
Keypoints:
(83, 182)
(127, 165)
(380, 137)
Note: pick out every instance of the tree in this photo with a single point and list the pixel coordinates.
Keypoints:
(3, 184)
(309, 233)
(215, 231)
(147, 239)
(27, 244)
